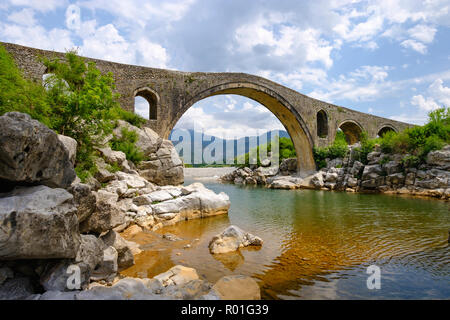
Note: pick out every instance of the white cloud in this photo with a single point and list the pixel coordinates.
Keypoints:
(139, 12)
(418, 118)
(36, 36)
(422, 33)
(151, 54)
(438, 96)
(415, 45)
(107, 44)
(364, 84)
(427, 104)
(293, 42)
(44, 6)
(249, 119)
(439, 92)
(23, 17)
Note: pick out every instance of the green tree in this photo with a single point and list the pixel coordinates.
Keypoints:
(20, 94)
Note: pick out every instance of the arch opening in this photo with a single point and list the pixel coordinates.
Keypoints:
(352, 131)
(288, 116)
(385, 130)
(322, 124)
(146, 103)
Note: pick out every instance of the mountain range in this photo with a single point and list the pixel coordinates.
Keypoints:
(239, 146)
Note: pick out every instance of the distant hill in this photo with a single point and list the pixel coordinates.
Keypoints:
(240, 146)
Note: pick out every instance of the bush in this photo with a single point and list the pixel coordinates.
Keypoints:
(420, 140)
(136, 120)
(19, 94)
(127, 144)
(338, 149)
(367, 146)
(286, 150)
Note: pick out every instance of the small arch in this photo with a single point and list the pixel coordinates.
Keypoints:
(352, 131)
(322, 124)
(146, 103)
(385, 129)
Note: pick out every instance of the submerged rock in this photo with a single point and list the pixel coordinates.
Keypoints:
(231, 239)
(237, 287)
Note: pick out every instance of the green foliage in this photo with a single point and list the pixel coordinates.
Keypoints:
(113, 167)
(19, 94)
(420, 140)
(134, 119)
(127, 144)
(76, 100)
(338, 149)
(411, 161)
(81, 99)
(286, 150)
(385, 160)
(367, 146)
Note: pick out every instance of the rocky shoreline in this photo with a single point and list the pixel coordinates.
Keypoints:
(60, 238)
(383, 173)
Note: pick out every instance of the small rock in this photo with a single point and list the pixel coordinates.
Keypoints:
(231, 239)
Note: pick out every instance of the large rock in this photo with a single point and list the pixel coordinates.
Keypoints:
(317, 180)
(38, 223)
(125, 256)
(71, 146)
(108, 267)
(31, 153)
(177, 276)
(231, 239)
(439, 157)
(138, 289)
(237, 287)
(372, 172)
(164, 165)
(393, 167)
(106, 216)
(60, 276)
(197, 202)
(16, 289)
(90, 251)
(165, 168)
(288, 166)
(148, 140)
(84, 200)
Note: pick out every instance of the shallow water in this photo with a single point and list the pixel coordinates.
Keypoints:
(317, 244)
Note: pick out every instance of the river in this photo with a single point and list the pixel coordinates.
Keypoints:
(317, 244)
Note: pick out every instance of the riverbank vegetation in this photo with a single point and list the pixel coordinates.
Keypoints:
(286, 150)
(414, 143)
(74, 99)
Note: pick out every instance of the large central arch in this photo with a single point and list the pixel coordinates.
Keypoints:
(288, 116)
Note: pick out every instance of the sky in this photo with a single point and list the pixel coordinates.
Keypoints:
(389, 58)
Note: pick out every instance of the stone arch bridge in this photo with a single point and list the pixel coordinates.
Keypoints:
(170, 94)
